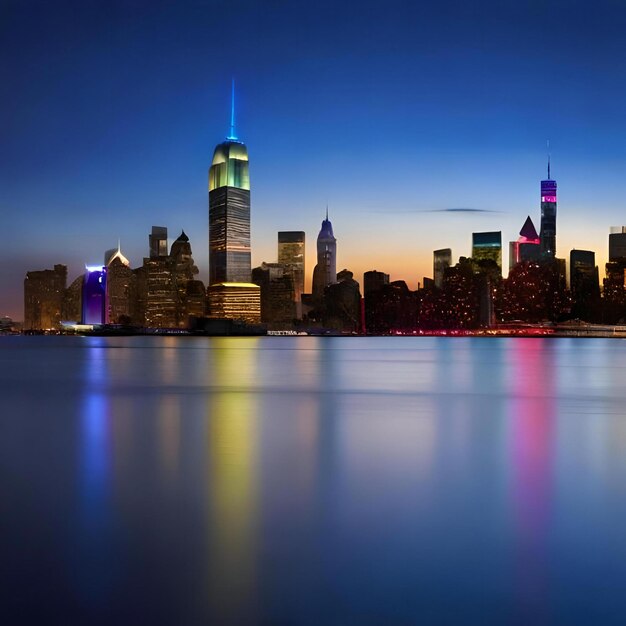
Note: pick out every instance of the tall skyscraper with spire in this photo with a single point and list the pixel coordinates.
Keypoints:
(548, 217)
(325, 272)
(229, 210)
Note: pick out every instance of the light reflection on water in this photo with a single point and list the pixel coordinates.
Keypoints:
(314, 480)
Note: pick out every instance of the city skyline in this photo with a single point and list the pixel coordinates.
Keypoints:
(342, 136)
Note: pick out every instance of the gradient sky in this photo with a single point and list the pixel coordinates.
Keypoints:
(390, 112)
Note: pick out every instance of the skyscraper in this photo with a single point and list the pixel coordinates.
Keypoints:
(43, 298)
(229, 210)
(291, 256)
(617, 243)
(442, 259)
(487, 247)
(325, 272)
(548, 217)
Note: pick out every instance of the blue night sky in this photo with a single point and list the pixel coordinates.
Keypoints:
(390, 112)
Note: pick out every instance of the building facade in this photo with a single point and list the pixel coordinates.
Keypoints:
(548, 218)
(291, 255)
(43, 298)
(442, 259)
(325, 272)
(235, 301)
(94, 295)
(229, 211)
(487, 247)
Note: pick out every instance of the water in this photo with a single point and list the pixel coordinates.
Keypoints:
(302, 480)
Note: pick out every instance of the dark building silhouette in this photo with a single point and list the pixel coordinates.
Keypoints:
(278, 307)
(548, 217)
(229, 211)
(617, 244)
(325, 272)
(342, 304)
(374, 281)
(291, 255)
(392, 308)
(442, 260)
(73, 301)
(584, 285)
(43, 298)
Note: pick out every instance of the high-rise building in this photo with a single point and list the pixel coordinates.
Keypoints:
(160, 289)
(617, 244)
(120, 283)
(374, 281)
(291, 255)
(548, 217)
(278, 307)
(229, 210)
(158, 242)
(487, 247)
(442, 259)
(325, 272)
(583, 272)
(94, 295)
(43, 298)
(527, 247)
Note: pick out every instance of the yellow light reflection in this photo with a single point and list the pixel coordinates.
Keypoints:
(233, 488)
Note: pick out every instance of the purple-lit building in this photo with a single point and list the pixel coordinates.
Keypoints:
(94, 295)
(548, 217)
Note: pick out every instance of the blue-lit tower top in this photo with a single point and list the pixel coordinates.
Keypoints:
(230, 158)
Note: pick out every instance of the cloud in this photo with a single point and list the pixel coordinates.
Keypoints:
(459, 210)
(446, 210)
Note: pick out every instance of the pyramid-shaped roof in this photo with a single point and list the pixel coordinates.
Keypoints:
(528, 230)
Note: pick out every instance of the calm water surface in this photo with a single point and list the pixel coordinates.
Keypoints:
(312, 481)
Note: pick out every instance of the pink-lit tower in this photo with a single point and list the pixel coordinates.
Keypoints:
(548, 217)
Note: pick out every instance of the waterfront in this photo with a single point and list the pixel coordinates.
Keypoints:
(304, 480)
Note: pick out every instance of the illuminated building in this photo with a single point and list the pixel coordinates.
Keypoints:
(278, 307)
(94, 295)
(235, 301)
(442, 259)
(120, 285)
(527, 247)
(43, 298)
(487, 247)
(160, 294)
(291, 255)
(325, 272)
(548, 217)
(184, 269)
(229, 211)
(617, 244)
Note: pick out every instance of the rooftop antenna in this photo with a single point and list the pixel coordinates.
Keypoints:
(327, 211)
(548, 144)
(232, 135)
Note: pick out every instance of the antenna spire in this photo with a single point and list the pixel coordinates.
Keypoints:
(327, 211)
(548, 144)
(232, 134)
